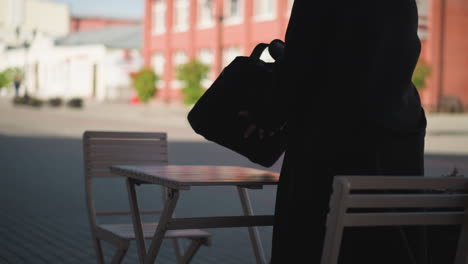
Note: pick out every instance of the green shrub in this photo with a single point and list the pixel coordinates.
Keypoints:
(28, 100)
(4, 81)
(55, 102)
(192, 74)
(21, 100)
(7, 76)
(420, 74)
(75, 103)
(144, 82)
(35, 102)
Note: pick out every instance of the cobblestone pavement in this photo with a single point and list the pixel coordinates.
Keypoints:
(43, 217)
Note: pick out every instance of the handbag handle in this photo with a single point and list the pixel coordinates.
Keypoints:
(258, 50)
(275, 48)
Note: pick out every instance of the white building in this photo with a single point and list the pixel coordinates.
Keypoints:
(19, 19)
(34, 36)
(93, 64)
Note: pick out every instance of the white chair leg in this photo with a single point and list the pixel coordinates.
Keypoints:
(120, 254)
(462, 248)
(99, 252)
(191, 251)
(334, 224)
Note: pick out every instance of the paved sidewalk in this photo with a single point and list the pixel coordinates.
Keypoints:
(446, 133)
(67, 122)
(43, 217)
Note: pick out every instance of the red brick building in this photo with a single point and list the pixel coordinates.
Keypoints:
(85, 23)
(446, 50)
(215, 31)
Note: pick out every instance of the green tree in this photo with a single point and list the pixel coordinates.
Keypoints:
(4, 81)
(420, 74)
(144, 82)
(8, 75)
(191, 74)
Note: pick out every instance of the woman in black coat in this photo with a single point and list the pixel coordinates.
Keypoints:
(351, 109)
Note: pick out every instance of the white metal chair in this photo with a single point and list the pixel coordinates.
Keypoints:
(445, 200)
(102, 149)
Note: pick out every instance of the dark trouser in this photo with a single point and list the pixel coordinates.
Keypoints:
(305, 188)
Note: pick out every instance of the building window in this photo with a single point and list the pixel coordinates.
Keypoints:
(229, 54)
(233, 11)
(290, 6)
(158, 63)
(159, 17)
(423, 11)
(205, 56)
(181, 15)
(178, 58)
(423, 7)
(264, 9)
(205, 13)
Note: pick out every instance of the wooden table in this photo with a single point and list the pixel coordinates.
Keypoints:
(176, 178)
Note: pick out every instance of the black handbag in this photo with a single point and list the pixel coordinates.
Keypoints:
(242, 86)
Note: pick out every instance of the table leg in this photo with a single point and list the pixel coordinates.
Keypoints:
(175, 241)
(136, 219)
(253, 231)
(190, 252)
(166, 215)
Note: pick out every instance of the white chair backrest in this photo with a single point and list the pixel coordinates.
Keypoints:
(444, 200)
(102, 149)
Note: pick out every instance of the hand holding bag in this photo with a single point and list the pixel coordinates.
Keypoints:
(241, 88)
